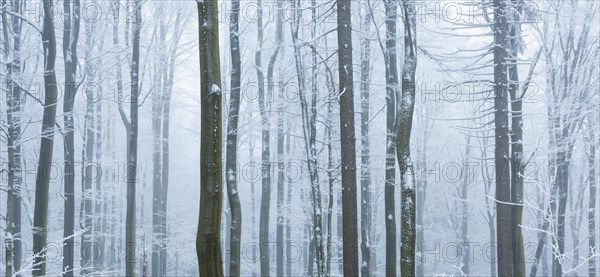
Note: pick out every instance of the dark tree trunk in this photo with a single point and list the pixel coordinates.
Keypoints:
(40, 216)
(132, 142)
(208, 238)
(502, 154)
(231, 168)
(348, 140)
(70, 40)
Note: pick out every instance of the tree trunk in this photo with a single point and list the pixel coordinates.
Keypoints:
(132, 142)
(40, 216)
(87, 156)
(10, 143)
(365, 164)
(264, 106)
(392, 90)
(501, 154)
(516, 141)
(280, 140)
(348, 140)
(404, 120)
(464, 190)
(309, 135)
(70, 39)
(157, 112)
(288, 228)
(16, 111)
(232, 144)
(208, 238)
(591, 179)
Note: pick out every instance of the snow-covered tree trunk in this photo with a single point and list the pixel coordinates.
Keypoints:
(10, 143)
(365, 163)
(87, 155)
(15, 132)
(592, 141)
(404, 115)
(309, 137)
(280, 137)
(392, 90)
(231, 167)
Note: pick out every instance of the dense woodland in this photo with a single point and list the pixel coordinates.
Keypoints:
(299, 138)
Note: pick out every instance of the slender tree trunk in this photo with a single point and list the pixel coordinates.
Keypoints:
(232, 144)
(40, 216)
(365, 164)
(404, 120)
(132, 142)
(157, 112)
(87, 156)
(392, 90)
(265, 201)
(98, 191)
(10, 143)
(308, 129)
(516, 141)
(421, 182)
(288, 227)
(70, 39)
(503, 209)
(208, 238)
(348, 140)
(591, 179)
(16, 132)
(280, 140)
(562, 178)
(464, 195)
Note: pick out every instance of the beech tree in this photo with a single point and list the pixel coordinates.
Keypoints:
(208, 238)
(40, 216)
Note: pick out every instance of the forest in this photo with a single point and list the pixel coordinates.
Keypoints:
(299, 138)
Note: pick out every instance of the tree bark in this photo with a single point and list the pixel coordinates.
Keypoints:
(309, 136)
(264, 107)
(10, 143)
(392, 90)
(591, 180)
(280, 140)
(208, 238)
(70, 40)
(365, 164)
(231, 168)
(87, 156)
(16, 111)
(40, 216)
(132, 142)
(501, 154)
(348, 140)
(404, 120)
